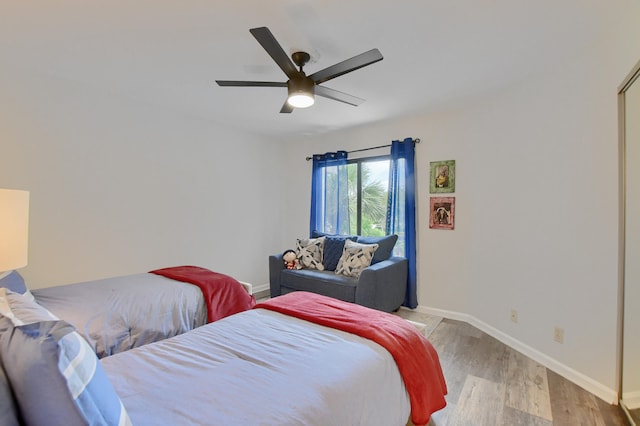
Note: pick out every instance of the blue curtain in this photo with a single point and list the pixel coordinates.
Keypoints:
(329, 193)
(401, 210)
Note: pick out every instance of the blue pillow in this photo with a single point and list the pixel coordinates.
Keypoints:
(56, 377)
(14, 282)
(385, 246)
(22, 309)
(8, 409)
(333, 246)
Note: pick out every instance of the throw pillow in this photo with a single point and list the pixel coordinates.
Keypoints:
(8, 409)
(385, 249)
(355, 257)
(21, 309)
(309, 253)
(333, 246)
(14, 282)
(56, 377)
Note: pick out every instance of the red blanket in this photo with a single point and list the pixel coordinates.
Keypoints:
(416, 358)
(223, 295)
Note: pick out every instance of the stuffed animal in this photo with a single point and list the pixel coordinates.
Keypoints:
(290, 259)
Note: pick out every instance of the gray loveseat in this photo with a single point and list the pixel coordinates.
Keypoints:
(381, 285)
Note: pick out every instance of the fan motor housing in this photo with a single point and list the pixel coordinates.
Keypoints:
(302, 84)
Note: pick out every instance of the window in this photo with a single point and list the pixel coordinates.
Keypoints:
(369, 197)
(368, 191)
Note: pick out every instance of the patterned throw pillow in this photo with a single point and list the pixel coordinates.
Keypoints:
(309, 253)
(355, 257)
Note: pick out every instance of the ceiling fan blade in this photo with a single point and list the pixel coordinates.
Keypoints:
(250, 83)
(273, 48)
(325, 92)
(286, 108)
(357, 62)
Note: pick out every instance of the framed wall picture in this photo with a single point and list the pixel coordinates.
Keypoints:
(443, 211)
(443, 177)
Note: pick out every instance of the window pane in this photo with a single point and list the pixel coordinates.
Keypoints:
(375, 186)
(352, 171)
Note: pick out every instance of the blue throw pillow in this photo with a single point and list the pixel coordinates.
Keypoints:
(14, 282)
(57, 378)
(22, 309)
(333, 247)
(385, 246)
(8, 408)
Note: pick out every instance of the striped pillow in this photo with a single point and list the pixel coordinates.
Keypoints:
(55, 376)
(22, 309)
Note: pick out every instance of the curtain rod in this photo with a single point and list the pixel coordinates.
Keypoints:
(416, 140)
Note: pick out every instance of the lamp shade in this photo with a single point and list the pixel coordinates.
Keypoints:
(14, 229)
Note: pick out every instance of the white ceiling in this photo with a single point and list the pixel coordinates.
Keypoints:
(168, 53)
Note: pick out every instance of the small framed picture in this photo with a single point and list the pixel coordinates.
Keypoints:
(443, 176)
(443, 211)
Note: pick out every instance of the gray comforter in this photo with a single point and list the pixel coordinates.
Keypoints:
(260, 368)
(121, 313)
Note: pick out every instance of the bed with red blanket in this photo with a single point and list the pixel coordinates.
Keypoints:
(298, 359)
(120, 313)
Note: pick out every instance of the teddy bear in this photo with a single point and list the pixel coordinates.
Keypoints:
(290, 259)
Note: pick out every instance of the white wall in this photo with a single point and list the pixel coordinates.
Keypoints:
(536, 206)
(119, 186)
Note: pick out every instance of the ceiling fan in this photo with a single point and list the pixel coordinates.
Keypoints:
(302, 88)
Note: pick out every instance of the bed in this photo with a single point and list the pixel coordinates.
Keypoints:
(120, 313)
(267, 365)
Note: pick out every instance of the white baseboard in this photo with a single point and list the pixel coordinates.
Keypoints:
(598, 389)
(631, 399)
(259, 288)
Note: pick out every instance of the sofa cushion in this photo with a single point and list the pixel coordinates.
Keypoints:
(327, 283)
(385, 243)
(309, 252)
(355, 257)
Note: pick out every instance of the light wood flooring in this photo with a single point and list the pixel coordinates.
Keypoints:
(491, 384)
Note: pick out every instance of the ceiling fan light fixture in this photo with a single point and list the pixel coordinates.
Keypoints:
(301, 92)
(301, 100)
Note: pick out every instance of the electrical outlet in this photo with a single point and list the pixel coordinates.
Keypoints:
(558, 334)
(514, 315)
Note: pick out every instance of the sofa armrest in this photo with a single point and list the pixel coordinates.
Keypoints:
(383, 285)
(276, 265)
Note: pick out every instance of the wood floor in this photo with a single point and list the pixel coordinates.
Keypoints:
(492, 384)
